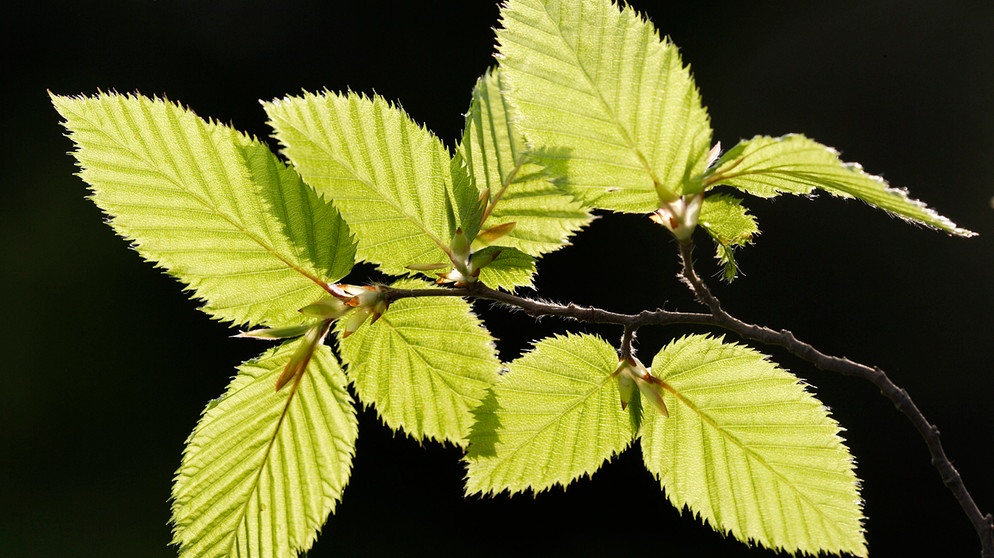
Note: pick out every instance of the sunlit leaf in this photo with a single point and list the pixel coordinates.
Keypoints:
(596, 84)
(749, 450)
(554, 417)
(390, 177)
(264, 468)
(520, 192)
(213, 207)
(424, 365)
(766, 166)
(730, 226)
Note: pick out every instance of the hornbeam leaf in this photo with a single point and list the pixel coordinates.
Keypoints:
(750, 451)
(425, 364)
(730, 226)
(554, 417)
(264, 468)
(511, 269)
(597, 80)
(390, 178)
(213, 207)
(521, 193)
(766, 166)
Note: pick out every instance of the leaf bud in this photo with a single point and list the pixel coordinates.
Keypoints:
(495, 232)
(630, 374)
(367, 301)
(328, 308)
(460, 246)
(276, 332)
(680, 215)
(302, 356)
(482, 259)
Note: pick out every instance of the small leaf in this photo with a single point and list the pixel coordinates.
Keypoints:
(264, 468)
(766, 166)
(512, 268)
(730, 226)
(750, 451)
(524, 205)
(553, 418)
(424, 365)
(597, 81)
(390, 177)
(213, 207)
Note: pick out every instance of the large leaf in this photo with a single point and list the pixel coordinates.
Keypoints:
(213, 207)
(389, 177)
(597, 81)
(520, 191)
(264, 468)
(766, 166)
(554, 417)
(424, 365)
(750, 451)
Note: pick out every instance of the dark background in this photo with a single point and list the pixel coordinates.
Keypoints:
(107, 364)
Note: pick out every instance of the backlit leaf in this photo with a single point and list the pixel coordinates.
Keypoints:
(749, 450)
(264, 468)
(210, 205)
(390, 177)
(730, 226)
(554, 417)
(766, 166)
(597, 83)
(424, 365)
(520, 191)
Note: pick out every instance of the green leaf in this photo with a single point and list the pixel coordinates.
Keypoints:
(554, 417)
(212, 206)
(750, 451)
(264, 468)
(520, 191)
(510, 270)
(730, 226)
(425, 364)
(390, 178)
(766, 166)
(597, 80)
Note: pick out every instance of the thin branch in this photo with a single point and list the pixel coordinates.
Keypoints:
(983, 524)
(718, 317)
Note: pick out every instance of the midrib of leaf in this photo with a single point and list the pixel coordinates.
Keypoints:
(718, 177)
(614, 120)
(754, 457)
(369, 184)
(190, 161)
(265, 459)
(504, 184)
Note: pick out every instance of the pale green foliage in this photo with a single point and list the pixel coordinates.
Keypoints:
(264, 468)
(730, 225)
(510, 270)
(389, 177)
(554, 417)
(596, 85)
(210, 205)
(748, 449)
(520, 191)
(589, 109)
(424, 365)
(766, 166)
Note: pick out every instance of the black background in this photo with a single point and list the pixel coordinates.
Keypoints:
(106, 364)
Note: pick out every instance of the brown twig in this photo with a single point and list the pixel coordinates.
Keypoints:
(718, 317)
